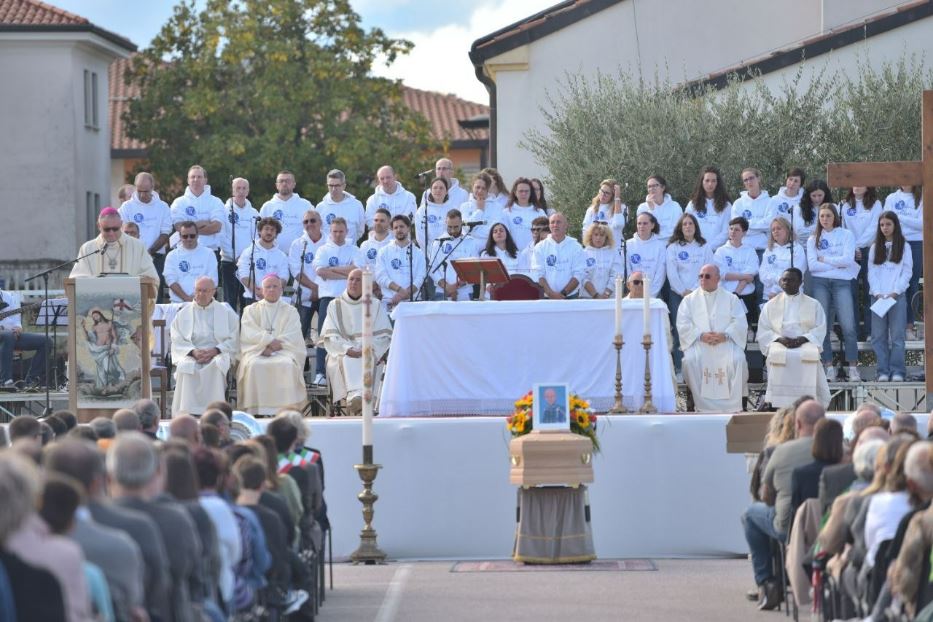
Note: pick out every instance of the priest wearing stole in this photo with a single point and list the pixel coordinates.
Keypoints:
(113, 252)
(791, 330)
(204, 344)
(272, 354)
(343, 336)
(713, 331)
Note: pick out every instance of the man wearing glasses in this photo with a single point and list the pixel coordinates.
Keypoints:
(300, 256)
(113, 252)
(540, 228)
(339, 203)
(187, 262)
(153, 219)
(288, 208)
(712, 326)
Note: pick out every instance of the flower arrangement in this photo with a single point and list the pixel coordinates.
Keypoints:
(582, 418)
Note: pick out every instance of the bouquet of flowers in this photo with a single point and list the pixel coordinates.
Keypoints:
(582, 418)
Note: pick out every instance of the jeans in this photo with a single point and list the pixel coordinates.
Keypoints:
(673, 305)
(305, 314)
(861, 297)
(158, 260)
(887, 338)
(916, 253)
(758, 524)
(25, 341)
(233, 289)
(320, 352)
(835, 296)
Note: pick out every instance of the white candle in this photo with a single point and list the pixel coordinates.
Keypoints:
(367, 358)
(646, 284)
(618, 305)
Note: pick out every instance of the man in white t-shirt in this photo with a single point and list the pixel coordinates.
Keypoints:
(558, 263)
(12, 338)
(300, 257)
(265, 257)
(390, 196)
(338, 202)
(400, 266)
(187, 262)
(444, 251)
(288, 208)
(152, 218)
(239, 228)
(199, 205)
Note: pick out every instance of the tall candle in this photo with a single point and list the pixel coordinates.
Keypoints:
(367, 358)
(618, 305)
(646, 284)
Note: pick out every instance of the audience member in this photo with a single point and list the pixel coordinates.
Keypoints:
(149, 416)
(126, 420)
(186, 428)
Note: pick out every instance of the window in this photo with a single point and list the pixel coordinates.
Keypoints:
(92, 209)
(91, 115)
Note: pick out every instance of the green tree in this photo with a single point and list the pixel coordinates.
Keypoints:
(249, 88)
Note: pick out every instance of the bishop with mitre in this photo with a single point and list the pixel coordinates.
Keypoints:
(791, 330)
(272, 354)
(113, 252)
(713, 332)
(204, 344)
(342, 333)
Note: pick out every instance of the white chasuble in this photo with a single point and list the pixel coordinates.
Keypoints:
(125, 256)
(267, 383)
(196, 327)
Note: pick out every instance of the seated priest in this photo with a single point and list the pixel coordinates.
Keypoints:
(791, 329)
(204, 344)
(343, 339)
(113, 252)
(272, 354)
(713, 332)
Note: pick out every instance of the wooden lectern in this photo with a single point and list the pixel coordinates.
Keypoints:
(480, 272)
(134, 338)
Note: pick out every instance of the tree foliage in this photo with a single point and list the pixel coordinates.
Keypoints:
(616, 126)
(251, 87)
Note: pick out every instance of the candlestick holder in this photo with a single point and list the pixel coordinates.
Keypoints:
(368, 551)
(618, 408)
(648, 406)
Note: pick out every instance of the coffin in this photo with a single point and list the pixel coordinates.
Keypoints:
(551, 457)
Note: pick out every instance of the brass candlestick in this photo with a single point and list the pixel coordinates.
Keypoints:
(618, 408)
(648, 406)
(368, 552)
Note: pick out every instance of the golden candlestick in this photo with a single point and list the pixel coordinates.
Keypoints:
(648, 406)
(368, 551)
(618, 408)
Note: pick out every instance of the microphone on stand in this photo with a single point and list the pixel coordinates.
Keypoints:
(422, 174)
(474, 223)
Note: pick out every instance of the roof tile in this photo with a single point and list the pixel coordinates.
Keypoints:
(33, 12)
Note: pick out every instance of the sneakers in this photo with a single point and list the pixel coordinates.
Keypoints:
(883, 378)
(830, 373)
(8, 385)
(853, 374)
(897, 378)
(679, 377)
(294, 600)
(320, 379)
(911, 334)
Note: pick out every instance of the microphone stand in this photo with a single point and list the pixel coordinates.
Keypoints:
(301, 273)
(252, 268)
(45, 286)
(233, 221)
(793, 242)
(411, 272)
(447, 256)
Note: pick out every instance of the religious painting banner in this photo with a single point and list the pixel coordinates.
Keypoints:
(108, 338)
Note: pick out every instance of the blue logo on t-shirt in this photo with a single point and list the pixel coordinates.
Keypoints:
(371, 254)
(747, 214)
(309, 257)
(636, 259)
(851, 211)
(728, 260)
(330, 218)
(824, 244)
(183, 266)
(701, 215)
(383, 206)
(601, 216)
(899, 205)
(138, 217)
(517, 220)
(683, 255)
(234, 217)
(333, 261)
(396, 263)
(772, 259)
(590, 262)
(448, 247)
(784, 208)
(552, 260)
(261, 263)
(278, 214)
(432, 218)
(190, 210)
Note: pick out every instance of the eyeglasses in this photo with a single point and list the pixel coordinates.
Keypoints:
(188, 236)
(335, 185)
(144, 192)
(540, 229)
(110, 229)
(636, 282)
(309, 221)
(745, 180)
(706, 276)
(650, 186)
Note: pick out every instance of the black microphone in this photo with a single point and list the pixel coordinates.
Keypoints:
(430, 171)
(474, 223)
(443, 239)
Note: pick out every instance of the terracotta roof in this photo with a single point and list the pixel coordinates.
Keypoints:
(36, 13)
(442, 111)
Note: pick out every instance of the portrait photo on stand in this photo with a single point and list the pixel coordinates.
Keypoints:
(551, 406)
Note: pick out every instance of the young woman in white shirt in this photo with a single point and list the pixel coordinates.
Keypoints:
(890, 265)
(500, 245)
(480, 208)
(860, 211)
(603, 262)
(647, 252)
(777, 257)
(831, 259)
(521, 210)
(497, 191)
(607, 207)
(738, 265)
(907, 203)
(805, 214)
(659, 204)
(686, 253)
(711, 206)
(538, 186)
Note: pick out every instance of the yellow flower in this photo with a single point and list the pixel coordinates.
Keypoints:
(583, 420)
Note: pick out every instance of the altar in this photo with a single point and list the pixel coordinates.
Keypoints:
(477, 358)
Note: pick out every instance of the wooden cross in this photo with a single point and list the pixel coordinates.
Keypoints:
(913, 173)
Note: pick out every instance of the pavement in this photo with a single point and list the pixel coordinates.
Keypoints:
(411, 591)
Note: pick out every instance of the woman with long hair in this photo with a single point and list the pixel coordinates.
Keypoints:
(538, 186)
(434, 211)
(860, 211)
(805, 214)
(907, 203)
(710, 204)
(607, 207)
(499, 244)
(831, 259)
(686, 253)
(647, 252)
(777, 257)
(658, 203)
(496, 192)
(521, 209)
(603, 262)
(481, 208)
(890, 265)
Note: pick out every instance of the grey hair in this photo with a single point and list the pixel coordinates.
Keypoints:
(917, 466)
(148, 413)
(864, 458)
(19, 487)
(104, 427)
(294, 417)
(336, 173)
(903, 421)
(132, 460)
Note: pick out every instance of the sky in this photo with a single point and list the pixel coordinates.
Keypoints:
(441, 31)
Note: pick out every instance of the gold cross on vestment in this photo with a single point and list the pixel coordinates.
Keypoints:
(706, 376)
(720, 375)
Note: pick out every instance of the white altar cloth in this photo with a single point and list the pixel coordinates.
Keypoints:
(477, 358)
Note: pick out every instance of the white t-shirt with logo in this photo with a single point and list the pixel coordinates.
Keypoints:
(267, 260)
(185, 266)
(330, 255)
(289, 213)
(741, 260)
(300, 256)
(558, 263)
(649, 257)
(683, 263)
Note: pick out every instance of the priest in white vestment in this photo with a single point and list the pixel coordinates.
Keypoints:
(113, 251)
(791, 330)
(343, 339)
(204, 344)
(713, 332)
(272, 354)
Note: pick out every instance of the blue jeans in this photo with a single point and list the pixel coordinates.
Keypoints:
(673, 304)
(233, 288)
(887, 338)
(28, 342)
(158, 261)
(862, 298)
(758, 524)
(320, 352)
(916, 253)
(835, 295)
(305, 314)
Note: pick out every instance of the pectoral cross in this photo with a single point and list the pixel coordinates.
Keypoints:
(910, 173)
(720, 375)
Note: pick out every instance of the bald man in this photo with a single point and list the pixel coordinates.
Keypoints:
(635, 285)
(273, 353)
(288, 208)
(113, 252)
(390, 196)
(152, 217)
(204, 345)
(713, 331)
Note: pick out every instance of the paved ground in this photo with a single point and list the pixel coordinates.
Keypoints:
(694, 590)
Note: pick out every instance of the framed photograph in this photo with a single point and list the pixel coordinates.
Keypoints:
(551, 406)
